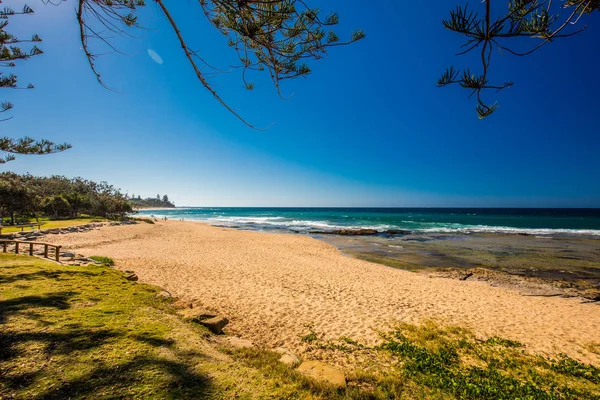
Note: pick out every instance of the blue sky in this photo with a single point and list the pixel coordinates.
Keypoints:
(367, 128)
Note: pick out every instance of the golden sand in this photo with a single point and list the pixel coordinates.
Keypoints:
(272, 286)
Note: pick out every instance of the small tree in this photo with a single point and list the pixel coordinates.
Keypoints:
(14, 198)
(165, 199)
(57, 206)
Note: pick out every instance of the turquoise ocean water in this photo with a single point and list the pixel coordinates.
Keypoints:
(569, 222)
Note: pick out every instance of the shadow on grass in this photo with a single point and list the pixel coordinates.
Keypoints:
(57, 275)
(178, 381)
(79, 360)
(57, 300)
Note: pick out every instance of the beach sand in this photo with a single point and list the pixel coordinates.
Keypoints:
(273, 286)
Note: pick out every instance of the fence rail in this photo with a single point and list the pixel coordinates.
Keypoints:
(17, 243)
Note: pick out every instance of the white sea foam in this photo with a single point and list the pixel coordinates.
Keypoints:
(279, 222)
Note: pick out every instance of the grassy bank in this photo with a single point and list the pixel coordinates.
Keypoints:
(52, 224)
(87, 332)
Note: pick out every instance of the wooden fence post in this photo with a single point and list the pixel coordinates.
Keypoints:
(16, 247)
(4, 246)
(30, 249)
(46, 251)
(58, 253)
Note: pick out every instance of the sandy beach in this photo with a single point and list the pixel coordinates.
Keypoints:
(273, 286)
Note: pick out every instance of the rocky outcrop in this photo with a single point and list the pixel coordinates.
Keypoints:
(362, 232)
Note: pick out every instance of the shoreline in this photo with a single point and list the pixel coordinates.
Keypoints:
(274, 287)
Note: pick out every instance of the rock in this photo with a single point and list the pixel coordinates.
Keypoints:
(131, 276)
(196, 314)
(183, 304)
(239, 342)
(349, 232)
(67, 255)
(216, 324)
(287, 357)
(164, 294)
(397, 232)
(323, 372)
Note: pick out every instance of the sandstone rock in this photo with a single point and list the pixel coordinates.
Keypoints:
(131, 276)
(196, 314)
(323, 372)
(164, 294)
(183, 304)
(216, 324)
(239, 342)
(287, 357)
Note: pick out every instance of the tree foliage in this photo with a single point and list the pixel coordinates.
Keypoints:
(27, 196)
(278, 36)
(540, 21)
(12, 51)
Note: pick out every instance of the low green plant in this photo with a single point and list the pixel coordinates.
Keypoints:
(310, 337)
(107, 261)
(462, 367)
(497, 341)
(568, 366)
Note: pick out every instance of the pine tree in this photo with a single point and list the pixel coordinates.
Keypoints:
(540, 20)
(277, 36)
(165, 199)
(12, 52)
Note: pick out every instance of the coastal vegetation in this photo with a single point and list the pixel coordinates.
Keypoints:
(75, 332)
(26, 197)
(150, 202)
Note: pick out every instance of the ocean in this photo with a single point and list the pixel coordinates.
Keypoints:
(532, 221)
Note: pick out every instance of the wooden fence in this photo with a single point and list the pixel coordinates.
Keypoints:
(17, 243)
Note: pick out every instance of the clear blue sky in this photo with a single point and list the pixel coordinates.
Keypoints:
(367, 128)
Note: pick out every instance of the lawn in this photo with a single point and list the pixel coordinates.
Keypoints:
(48, 224)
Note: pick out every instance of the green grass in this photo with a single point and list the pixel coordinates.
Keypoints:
(106, 261)
(47, 224)
(69, 332)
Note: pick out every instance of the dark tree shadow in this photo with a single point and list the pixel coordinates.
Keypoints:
(56, 275)
(175, 374)
(181, 382)
(57, 300)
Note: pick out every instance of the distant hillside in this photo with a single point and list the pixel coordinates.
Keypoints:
(151, 202)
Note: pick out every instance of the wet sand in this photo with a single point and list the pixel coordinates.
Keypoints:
(272, 286)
